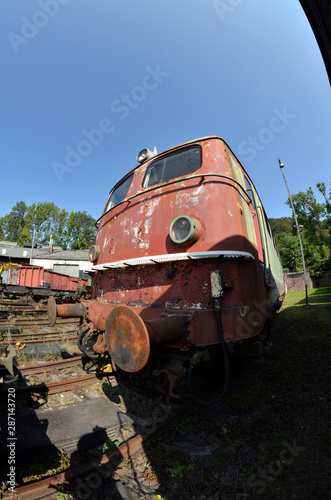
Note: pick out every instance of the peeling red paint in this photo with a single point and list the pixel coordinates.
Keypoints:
(216, 197)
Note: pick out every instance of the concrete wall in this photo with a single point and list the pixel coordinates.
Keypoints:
(296, 281)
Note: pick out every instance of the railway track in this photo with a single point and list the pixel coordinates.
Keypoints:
(45, 339)
(103, 466)
(18, 303)
(20, 308)
(29, 329)
(53, 387)
(23, 336)
(32, 321)
(32, 333)
(23, 309)
(24, 313)
(37, 337)
(106, 463)
(49, 387)
(45, 488)
(53, 365)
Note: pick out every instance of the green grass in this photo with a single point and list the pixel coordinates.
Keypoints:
(315, 296)
(53, 464)
(281, 401)
(311, 320)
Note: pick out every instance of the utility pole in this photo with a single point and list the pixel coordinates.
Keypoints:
(33, 240)
(281, 166)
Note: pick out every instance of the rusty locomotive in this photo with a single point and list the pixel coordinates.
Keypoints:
(184, 266)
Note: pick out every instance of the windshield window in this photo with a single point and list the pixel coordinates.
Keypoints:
(119, 193)
(169, 167)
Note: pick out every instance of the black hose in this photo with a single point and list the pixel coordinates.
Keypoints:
(226, 370)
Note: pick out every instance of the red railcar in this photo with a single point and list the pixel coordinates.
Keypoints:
(184, 260)
(37, 281)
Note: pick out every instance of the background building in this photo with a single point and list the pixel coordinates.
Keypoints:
(70, 262)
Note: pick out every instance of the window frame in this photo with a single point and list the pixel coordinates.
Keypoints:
(173, 153)
(118, 185)
(250, 191)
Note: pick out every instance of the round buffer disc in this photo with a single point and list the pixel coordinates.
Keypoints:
(127, 339)
(51, 311)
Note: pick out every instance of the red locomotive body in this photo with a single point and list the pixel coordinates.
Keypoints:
(183, 242)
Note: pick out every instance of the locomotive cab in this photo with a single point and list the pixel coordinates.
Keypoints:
(184, 261)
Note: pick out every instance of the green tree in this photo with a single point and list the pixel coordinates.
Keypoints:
(46, 217)
(74, 231)
(289, 251)
(321, 186)
(13, 223)
(2, 229)
(24, 236)
(309, 213)
(316, 257)
(282, 225)
(81, 230)
(315, 219)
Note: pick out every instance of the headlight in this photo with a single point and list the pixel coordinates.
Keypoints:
(143, 155)
(184, 229)
(93, 253)
(146, 154)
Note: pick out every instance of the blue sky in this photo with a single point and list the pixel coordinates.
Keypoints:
(87, 84)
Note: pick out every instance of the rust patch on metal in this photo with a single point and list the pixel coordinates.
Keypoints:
(64, 311)
(51, 311)
(71, 310)
(167, 329)
(127, 339)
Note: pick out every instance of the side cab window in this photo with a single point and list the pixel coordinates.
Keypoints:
(250, 192)
(118, 193)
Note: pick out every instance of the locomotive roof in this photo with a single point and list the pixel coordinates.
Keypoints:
(193, 141)
(206, 138)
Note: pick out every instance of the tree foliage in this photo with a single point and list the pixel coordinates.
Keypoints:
(315, 219)
(322, 189)
(81, 230)
(309, 213)
(13, 223)
(282, 225)
(70, 231)
(289, 250)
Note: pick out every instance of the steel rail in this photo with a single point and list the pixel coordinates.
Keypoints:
(22, 336)
(27, 309)
(53, 365)
(53, 387)
(32, 321)
(39, 341)
(17, 303)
